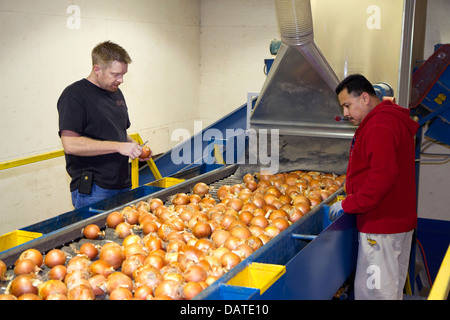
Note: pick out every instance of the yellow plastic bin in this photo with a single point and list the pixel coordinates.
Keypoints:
(165, 182)
(258, 275)
(17, 237)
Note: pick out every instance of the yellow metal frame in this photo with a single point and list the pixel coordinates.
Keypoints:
(32, 159)
(135, 165)
(59, 153)
(441, 286)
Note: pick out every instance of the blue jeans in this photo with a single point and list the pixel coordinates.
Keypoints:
(97, 194)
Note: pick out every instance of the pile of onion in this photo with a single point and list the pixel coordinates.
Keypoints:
(172, 250)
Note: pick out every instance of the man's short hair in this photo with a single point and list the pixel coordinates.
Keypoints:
(107, 52)
(356, 84)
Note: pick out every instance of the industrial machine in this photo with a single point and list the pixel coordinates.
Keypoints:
(293, 126)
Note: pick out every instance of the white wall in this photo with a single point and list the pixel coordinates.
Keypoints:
(193, 60)
(235, 39)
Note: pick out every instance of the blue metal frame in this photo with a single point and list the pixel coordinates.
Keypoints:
(315, 269)
(233, 121)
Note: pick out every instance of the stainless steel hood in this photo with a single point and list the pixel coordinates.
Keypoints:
(299, 100)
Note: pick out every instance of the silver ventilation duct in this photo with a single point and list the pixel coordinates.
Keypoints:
(298, 98)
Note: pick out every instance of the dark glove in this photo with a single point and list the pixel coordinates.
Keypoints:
(335, 211)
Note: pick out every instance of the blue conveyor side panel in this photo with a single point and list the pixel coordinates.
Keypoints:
(235, 121)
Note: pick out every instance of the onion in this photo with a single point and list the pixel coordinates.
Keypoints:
(272, 231)
(34, 255)
(201, 189)
(251, 185)
(113, 254)
(175, 245)
(76, 278)
(295, 214)
(101, 267)
(133, 249)
(131, 216)
(191, 289)
(120, 293)
(130, 265)
(211, 279)
(259, 201)
(25, 283)
(315, 201)
(180, 198)
(301, 198)
(29, 296)
(303, 207)
(259, 221)
(114, 218)
(227, 220)
(58, 272)
(278, 214)
(143, 293)
(98, 284)
(169, 288)
(164, 230)
(202, 229)
(190, 254)
(79, 263)
(205, 245)
(57, 296)
(153, 242)
(116, 280)
(92, 231)
(2, 270)
(51, 287)
(207, 202)
(143, 206)
(147, 275)
(55, 257)
(155, 260)
(155, 203)
(256, 230)
(243, 250)
(241, 232)
(123, 230)
(5, 296)
(230, 260)
(195, 273)
(173, 275)
(89, 249)
(219, 236)
(81, 292)
(246, 217)
(280, 223)
(232, 242)
(25, 266)
(254, 242)
(223, 191)
(248, 177)
(149, 227)
(219, 252)
(235, 203)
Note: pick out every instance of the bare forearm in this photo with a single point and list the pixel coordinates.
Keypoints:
(87, 147)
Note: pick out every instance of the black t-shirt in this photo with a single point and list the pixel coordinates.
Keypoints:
(95, 113)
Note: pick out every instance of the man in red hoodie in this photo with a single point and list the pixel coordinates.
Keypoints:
(380, 186)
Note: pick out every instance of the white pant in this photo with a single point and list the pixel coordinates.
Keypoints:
(382, 265)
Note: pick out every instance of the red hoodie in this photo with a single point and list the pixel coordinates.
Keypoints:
(380, 183)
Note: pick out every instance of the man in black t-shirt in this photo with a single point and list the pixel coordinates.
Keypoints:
(93, 123)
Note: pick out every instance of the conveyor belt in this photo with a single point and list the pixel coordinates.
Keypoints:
(70, 239)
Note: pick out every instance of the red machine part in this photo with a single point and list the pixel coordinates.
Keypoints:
(427, 75)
